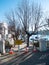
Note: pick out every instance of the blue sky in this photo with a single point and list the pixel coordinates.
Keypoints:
(7, 5)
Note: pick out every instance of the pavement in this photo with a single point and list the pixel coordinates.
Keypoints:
(25, 58)
(29, 58)
(6, 57)
(21, 47)
(39, 58)
(17, 59)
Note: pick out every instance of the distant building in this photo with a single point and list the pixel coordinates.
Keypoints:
(3, 29)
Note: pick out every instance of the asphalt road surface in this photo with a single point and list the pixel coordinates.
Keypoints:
(39, 58)
(30, 58)
(17, 60)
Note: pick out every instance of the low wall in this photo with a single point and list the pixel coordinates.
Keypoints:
(2, 46)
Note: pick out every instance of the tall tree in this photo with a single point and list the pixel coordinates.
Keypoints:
(24, 16)
(47, 23)
(28, 14)
(12, 24)
(11, 21)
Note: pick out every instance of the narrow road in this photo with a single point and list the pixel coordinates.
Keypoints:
(30, 58)
(17, 60)
(39, 58)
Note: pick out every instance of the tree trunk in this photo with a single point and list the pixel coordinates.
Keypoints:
(28, 41)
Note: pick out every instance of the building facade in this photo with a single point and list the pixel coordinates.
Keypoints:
(3, 29)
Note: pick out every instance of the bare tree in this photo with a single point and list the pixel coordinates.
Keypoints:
(47, 22)
(36, 16)
(24, 16)
(12, 24)
(28, 14)
(11, 21)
